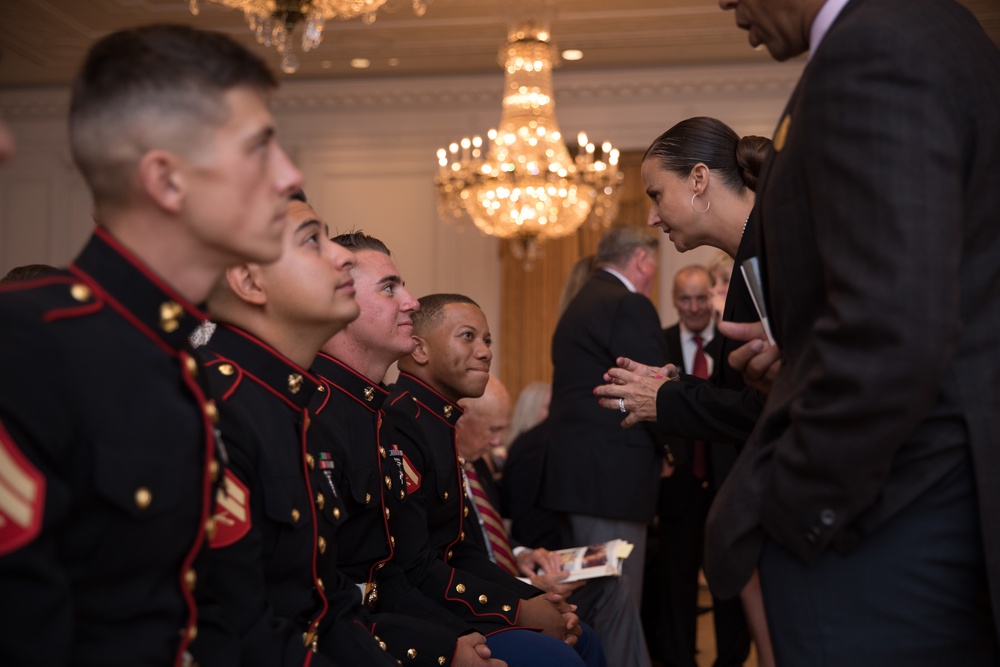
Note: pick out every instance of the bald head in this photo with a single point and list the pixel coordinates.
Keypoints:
(485, 421)
(693, 298)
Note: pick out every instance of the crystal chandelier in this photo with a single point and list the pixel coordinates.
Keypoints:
(274, 21)
(523, 183)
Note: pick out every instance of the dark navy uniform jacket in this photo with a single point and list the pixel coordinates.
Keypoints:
(385, 543)
(106, 466)
(425, 424)
(272, 574)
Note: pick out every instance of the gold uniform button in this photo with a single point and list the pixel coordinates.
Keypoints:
(295, 382)
(320, 501)
(295, 515)
(192, 632)
(448, 557)
(226, 369)
(336, 513)
(191, 365)
(483, 599)
(392, 541)
(506, 607)
(465, 511)
(402, 494)
(388, 482)
(143, 497)
(381, 645)
(461, 536)
(412, 654)
(190, 579)
(321, 389)
(459, 588)
(446, 495)
(319, 584)
(322, 544)
(211, 411)
(442, 660)
(386, 513)
(307, 423)
(213, 470)
(310, 461)
(210, 529)
(381, 451)
(80, 292)
(170, 311)
(368, 498)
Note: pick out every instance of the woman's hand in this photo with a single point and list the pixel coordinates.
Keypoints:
(631, 387)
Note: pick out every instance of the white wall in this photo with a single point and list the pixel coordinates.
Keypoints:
(368, 153)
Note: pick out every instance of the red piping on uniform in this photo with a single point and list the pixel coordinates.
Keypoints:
(106, 236)
(122, 310)
(314, 625)
(206, 499)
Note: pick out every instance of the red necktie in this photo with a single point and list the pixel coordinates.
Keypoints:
(699, 369)
(492, 524)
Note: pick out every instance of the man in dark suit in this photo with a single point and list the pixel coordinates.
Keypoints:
(866, 492)
(605, 477)
(687, 493)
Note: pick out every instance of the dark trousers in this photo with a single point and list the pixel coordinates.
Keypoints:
(520, 647)
(913, 593)
(681, 538)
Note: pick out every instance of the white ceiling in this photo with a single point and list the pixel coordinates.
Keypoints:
(43, 41)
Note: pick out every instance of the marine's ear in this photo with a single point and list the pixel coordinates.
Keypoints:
(421, 353)
(161, 180)
(244, 282)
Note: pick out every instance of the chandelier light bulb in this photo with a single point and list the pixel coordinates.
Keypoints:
(524, 183)
(273, 22)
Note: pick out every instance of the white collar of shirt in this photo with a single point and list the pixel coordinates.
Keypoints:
(628, 283)
(821, 24)
(707, 334)
(689, 347)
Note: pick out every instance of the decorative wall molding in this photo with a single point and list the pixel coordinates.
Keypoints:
(437, 93)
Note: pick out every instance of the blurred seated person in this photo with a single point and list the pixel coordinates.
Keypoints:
(520, 486)
(605, 602)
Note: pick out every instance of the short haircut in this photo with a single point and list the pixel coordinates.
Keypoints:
(358, 240)
(619, 243)
(158, 86)
(19, 274)
(432, 310)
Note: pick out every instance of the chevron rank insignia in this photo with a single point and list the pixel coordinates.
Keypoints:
(232, 512)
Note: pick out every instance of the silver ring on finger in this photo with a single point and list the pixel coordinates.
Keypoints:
(621, 406)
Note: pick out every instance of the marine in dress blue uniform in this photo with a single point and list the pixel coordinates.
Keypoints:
(384, 543)
(272, 572)
(107, 463)
(425, 423)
